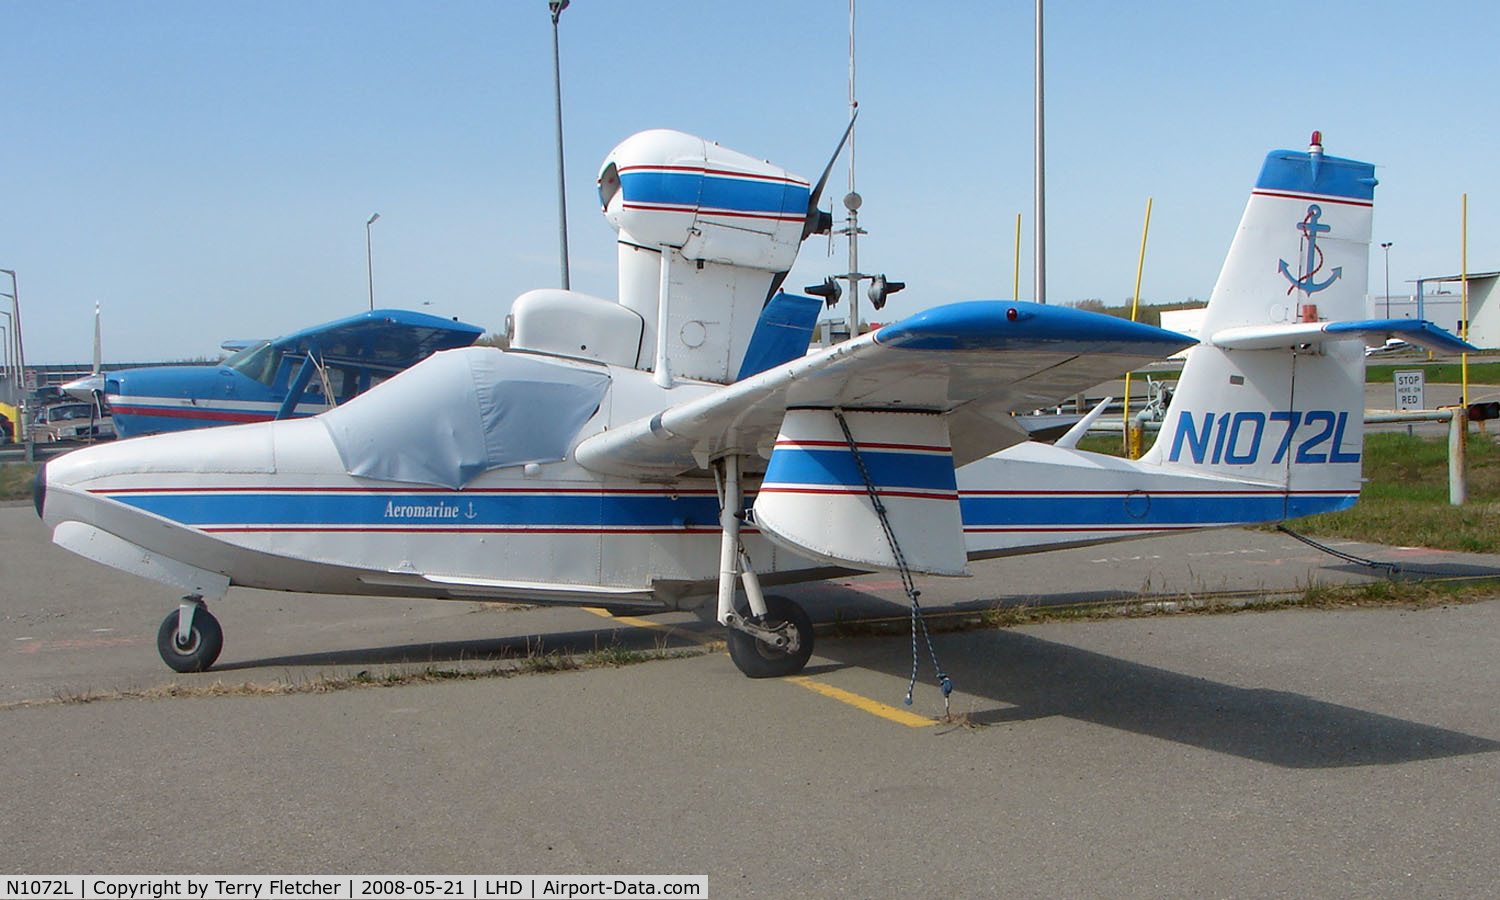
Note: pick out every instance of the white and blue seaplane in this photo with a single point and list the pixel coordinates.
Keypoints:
(681, 443)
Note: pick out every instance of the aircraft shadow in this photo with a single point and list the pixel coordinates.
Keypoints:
(1031, 678)
(503, 649)
(1023, 678)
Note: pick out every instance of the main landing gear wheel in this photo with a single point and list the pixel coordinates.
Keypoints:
(200, 650)
(758, 659)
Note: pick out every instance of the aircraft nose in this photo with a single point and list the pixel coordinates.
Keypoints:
(39, 488)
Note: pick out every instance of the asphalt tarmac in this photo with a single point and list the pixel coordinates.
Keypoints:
(1291, 753)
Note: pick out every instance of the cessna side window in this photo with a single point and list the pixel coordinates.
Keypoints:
(258, 361)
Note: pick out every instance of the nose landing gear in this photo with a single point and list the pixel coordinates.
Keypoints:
(190, 638)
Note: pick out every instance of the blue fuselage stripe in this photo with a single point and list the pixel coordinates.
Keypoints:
(584, 511)
(1143, 509)
(477, 510)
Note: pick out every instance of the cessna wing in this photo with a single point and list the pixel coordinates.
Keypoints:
(973, 363)
(395, 338)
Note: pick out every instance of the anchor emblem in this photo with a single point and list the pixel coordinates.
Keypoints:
(1311, 228)
(471, 513)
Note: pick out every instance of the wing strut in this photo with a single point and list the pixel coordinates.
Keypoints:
(917, 619)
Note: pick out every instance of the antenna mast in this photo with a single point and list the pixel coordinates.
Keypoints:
(880, 287)
(852, 199)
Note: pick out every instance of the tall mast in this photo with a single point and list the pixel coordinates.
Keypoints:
(852, 199)
(1040, 169)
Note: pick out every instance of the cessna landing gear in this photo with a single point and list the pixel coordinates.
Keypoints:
(190, 638)
(774, 637)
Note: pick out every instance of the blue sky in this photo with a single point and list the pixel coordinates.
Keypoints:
(205, 170)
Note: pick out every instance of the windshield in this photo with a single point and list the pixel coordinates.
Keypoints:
(257, 361)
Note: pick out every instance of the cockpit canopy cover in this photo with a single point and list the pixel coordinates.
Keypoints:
(482, 409)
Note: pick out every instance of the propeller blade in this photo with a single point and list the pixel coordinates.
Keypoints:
(810, 224)
(815, 217)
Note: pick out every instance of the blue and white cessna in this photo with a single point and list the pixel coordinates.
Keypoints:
(297, 374)
(676, 445)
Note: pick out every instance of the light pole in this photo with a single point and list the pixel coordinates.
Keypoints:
(8, 358)
(20, 355)
(9, 394)
(369, 263)
(1039, 189)
(1386, 246)
(556, 7)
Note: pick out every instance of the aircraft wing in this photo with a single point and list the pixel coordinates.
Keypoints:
(394, 338)
(975, 363)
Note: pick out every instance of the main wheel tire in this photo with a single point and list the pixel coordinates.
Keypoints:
(202, 647)
(758, 660)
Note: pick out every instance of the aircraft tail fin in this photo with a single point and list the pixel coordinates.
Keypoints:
(1275, 390)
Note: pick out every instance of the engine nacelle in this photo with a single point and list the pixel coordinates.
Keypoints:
(703, 231)
(664, 187)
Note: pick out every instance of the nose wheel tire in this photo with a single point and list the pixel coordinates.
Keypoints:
(757, 659)
(202, 647)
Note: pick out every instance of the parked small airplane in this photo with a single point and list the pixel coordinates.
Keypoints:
(299, 374)
(604, 458)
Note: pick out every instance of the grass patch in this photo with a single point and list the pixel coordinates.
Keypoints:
(1407, 594)
(537, 663)
(1437, 372)
(15, 480)
(1405, 501)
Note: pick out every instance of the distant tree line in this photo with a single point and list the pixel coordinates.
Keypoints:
(1150, 313)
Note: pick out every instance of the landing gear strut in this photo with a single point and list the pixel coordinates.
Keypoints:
(190, 638)
(774, 637)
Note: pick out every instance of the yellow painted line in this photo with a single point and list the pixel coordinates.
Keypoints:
(873, 707)
(654, 626)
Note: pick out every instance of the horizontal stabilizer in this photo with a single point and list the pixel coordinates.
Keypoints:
(1423, 334)
(1373, 332)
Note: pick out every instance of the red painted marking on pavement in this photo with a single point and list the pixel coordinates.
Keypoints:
(891, 585)
(81, 644)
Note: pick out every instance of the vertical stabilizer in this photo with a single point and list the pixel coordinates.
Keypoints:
(1290, 414)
